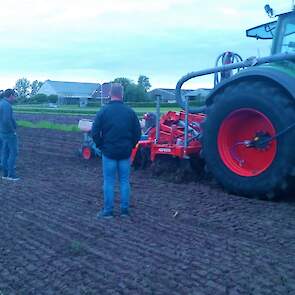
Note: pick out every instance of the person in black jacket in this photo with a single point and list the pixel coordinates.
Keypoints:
(116, 131)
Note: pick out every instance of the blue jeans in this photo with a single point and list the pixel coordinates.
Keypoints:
(110, 169)
(9, 153)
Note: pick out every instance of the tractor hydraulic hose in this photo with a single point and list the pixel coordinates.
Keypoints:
(225, 58)
(252, 61)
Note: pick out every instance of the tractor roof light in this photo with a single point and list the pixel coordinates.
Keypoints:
(268, 10)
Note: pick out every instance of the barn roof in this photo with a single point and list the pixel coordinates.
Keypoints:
(73, 89)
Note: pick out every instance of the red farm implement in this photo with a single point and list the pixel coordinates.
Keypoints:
(171, 143)
(169, 138)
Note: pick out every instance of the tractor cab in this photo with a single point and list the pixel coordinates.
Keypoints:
(285, 36)
(281, 31)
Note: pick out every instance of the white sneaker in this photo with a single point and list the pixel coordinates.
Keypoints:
(13, 178)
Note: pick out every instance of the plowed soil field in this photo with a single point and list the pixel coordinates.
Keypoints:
(188, 239)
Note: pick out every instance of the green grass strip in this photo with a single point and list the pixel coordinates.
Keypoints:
(48, 125)
(52, 113)
(55, 111)
(84, 111)
(140, 115)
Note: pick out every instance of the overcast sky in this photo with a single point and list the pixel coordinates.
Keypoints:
(98, 40)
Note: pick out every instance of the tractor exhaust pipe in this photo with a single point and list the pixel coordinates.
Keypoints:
(249, 62)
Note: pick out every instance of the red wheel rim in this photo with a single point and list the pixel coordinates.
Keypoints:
(241, 125)
(86, 153)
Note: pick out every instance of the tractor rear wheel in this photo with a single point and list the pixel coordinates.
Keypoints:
(240, 146)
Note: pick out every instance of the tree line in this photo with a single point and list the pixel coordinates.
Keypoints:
(133, 91)
(27, 89)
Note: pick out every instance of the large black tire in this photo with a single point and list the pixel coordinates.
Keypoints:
(278, 107)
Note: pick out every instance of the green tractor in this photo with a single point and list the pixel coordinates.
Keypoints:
(248, 135)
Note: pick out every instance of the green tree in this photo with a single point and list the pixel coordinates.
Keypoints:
(35, 86)
(132, 91)
(125, 82)
(144, 82)
(22, 87)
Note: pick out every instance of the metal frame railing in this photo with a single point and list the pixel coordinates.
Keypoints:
(249, 62)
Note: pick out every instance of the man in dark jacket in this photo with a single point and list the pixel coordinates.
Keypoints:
(8, 135)
(116, 131)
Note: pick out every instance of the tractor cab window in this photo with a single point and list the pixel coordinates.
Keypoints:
(286, 38)
(265, 31)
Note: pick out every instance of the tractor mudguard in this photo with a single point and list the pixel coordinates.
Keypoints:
(270, 73)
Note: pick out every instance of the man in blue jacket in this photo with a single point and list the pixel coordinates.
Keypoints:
(116, 131)
(8, 135)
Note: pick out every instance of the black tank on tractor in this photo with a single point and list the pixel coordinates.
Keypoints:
(246, 130)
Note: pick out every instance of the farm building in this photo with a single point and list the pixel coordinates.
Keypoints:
(71, 92)
(167, 94)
